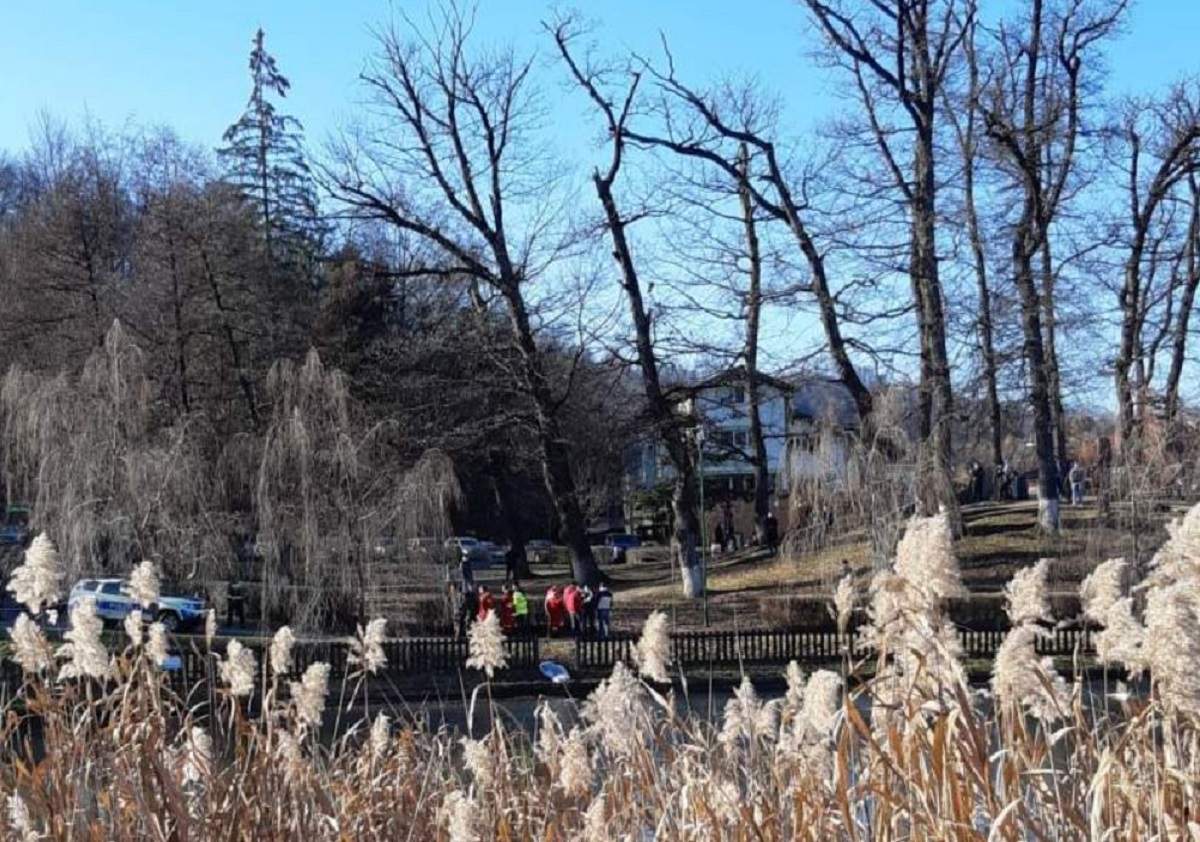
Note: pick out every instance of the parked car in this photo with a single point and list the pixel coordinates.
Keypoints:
(428, 549)
(539, 550)
(619, 544)
(469, 548)
(114, 602)
(496, 553)
(15, 528)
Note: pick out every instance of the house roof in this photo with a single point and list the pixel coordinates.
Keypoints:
(820, 399)
(736, 375)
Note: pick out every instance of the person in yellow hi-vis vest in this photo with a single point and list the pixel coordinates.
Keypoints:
(520, 604)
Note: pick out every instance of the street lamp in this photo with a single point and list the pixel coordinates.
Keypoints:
(703, 521)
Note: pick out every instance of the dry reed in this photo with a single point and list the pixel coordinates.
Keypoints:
(904, 751)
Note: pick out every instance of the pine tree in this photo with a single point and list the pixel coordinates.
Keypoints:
(265, 161)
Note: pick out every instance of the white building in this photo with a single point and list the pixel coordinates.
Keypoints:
(823, 416)
(805, 424)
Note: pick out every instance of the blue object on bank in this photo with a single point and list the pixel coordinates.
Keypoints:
(554, 671)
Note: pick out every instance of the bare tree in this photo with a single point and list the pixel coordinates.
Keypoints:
(1186, 301)
(753, 309)
(899, 54)
(1035, 125)
(451, 162)
(715, 128)
(1166, 134)
(965, 123)
(670, 423)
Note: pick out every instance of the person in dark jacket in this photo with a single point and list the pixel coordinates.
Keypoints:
(235, 603)
(604, 602)
(468, 606)
(772, 533)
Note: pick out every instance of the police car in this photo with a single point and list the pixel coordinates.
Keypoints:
(114, 602)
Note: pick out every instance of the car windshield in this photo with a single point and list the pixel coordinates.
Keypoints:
(110, 588)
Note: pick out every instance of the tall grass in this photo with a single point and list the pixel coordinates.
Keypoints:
(897, 748)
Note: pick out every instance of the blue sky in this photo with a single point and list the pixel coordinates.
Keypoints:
(130, 63)
(183, 64)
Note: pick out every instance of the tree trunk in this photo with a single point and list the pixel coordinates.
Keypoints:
(509, 509)
(1053, 377)
(1179, 343)
(863, 401)
(754, 300)
(987, 345)
(1039, 392)
(1129, 298)
(235, 354)
(935, 364)
(556, 465)
(180, 333)
(671, 427)
(685, 536)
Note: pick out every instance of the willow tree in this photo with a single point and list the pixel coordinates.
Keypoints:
(111, 478)
(329, 497)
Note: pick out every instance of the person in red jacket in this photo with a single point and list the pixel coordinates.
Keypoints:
(487, 603)
(573, 599)
(507, 621)
(555, 610)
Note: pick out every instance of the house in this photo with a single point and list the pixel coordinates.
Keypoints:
(823, 418)
(807, 422)
(720, 406)
(799, 416)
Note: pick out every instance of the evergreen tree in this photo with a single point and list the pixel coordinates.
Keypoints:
(265, 161)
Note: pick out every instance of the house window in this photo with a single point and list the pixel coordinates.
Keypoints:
(722, 438)
(729, 439)
(739, 394)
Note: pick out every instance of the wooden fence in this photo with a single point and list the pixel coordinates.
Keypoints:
(778, 646)
(406, 657)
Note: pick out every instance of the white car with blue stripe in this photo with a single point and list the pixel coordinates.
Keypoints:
(114, 602)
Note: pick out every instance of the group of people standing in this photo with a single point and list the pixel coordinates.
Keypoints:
(579, 610)
(475, 603)
(1008, 484)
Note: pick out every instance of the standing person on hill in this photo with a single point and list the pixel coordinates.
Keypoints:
(468, 607)
(512, 569)
(235, 603)
(772, 533)
(520, 604)
(466, 573)
(725, 536)
(1076, 478)
(604, 602)
(589, 610)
